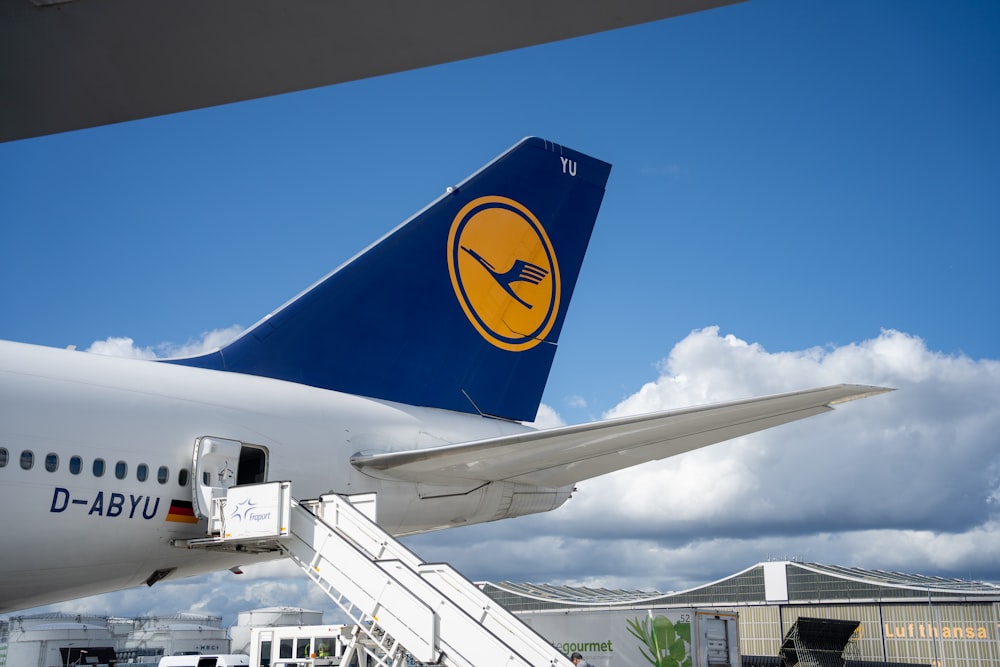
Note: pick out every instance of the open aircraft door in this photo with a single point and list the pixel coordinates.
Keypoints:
(219, 464)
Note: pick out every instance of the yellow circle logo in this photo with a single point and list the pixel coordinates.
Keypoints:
(504, 272)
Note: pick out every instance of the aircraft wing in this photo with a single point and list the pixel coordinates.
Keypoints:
(563, 456)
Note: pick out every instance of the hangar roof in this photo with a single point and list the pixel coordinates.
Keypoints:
(573, 595)
(778, 582)
(919, 582)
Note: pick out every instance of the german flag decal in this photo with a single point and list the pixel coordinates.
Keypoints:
(181, 511)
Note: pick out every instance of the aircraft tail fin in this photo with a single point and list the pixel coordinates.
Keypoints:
(460, 307)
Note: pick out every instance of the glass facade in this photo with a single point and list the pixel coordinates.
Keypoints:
(745, 587)
(959, 635)
(760, 630)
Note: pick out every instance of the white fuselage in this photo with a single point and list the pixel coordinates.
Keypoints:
(68, 531)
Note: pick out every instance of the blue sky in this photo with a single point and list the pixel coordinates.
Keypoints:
(802, 192)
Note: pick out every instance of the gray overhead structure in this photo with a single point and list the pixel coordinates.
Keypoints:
(72, 64)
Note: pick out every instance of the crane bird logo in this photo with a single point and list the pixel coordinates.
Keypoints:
(504, 272)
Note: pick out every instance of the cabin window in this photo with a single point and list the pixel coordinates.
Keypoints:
(121, 470)
(163, 474)
(182, 477)
(27, 459)
(4, 455)
(141, 472)
(52, 462)
(75, 465)
(98, 468)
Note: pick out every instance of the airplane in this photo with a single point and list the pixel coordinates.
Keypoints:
(410, 371)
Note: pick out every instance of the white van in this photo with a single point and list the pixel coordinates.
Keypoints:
(227, 660)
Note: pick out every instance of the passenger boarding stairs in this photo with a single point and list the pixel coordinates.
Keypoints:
(398, 603)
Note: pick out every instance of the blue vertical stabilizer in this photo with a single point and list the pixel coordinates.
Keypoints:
(459, 307)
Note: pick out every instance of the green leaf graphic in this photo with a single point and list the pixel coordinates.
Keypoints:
(668, 643)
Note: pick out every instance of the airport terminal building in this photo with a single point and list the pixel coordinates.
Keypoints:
(904, 618)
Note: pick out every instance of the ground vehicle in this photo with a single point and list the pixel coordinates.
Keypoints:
(639, 637)
(217, 660)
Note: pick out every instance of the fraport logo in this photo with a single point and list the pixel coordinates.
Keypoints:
(246, 510)
(504, 272)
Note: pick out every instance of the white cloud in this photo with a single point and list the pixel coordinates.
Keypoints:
(209, 341)
(924, 456)
(904, 481)
(121, 347)
(124, 346)
(547, 417)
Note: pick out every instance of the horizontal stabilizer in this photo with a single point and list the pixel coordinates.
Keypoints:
(563, 456)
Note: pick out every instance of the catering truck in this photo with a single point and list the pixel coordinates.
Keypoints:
(642, 637)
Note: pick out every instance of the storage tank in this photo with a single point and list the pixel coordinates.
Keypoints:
(178, 633)
(54, 640)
